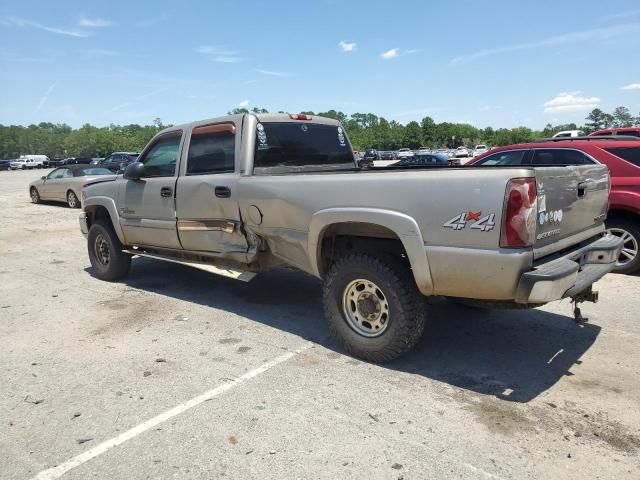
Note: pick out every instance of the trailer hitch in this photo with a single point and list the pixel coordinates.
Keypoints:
(587, 295)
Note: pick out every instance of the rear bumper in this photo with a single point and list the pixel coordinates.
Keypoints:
(84, 227)
(570, 274)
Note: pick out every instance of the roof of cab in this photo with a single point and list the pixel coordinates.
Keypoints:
(262, 117)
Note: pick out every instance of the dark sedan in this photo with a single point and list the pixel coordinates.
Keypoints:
(5, 164)
(118, 161)
(429, 159)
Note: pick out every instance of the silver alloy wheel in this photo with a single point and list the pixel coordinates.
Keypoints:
(365, 308)
(34, 195)
(101, 249)
(629, 246)
(72, 200)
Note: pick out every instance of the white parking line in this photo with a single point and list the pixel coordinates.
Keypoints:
(58, 471)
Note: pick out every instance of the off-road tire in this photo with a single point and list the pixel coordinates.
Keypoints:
(406, 306)
(632, 228)
(35, 195)
(118, 263)
(72, 199)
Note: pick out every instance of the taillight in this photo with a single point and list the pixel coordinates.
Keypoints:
(299, 116)
(520, 213)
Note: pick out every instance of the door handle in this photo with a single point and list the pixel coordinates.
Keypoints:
(166, 191)
(222, 192)
(582, 189)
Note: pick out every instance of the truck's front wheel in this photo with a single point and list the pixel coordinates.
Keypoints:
(373, 307)
(105, 252)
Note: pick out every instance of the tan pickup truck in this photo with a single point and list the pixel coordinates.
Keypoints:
(243, 193)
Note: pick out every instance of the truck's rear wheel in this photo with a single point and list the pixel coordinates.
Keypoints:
(373, 307)
(105, 252)
(629, 259)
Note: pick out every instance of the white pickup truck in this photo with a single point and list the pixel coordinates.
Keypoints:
(240, 194)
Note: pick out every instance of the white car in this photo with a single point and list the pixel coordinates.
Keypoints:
(479, 150)
(569, 133)
(423, 151)
(462, 152)
(33, 161)
(23, 164)
(405, 153)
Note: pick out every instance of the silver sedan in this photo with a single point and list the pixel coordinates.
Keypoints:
(65, 183)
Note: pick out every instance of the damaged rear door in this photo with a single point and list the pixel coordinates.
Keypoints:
(207, 211)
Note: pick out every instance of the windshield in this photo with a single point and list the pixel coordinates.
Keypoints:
(93, 171)
(291, 147)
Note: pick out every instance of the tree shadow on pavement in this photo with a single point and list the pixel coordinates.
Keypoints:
(513, 355)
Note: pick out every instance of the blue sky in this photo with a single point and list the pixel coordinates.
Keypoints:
(498, 63)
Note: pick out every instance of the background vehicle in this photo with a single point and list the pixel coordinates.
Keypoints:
(620, 155)
(479, 150)
(65, 183)
(371, 154)
(422, 151)
(429, 159)
(628, 131)
(34, 161)
(404, 153)
(23, 164)
(77, 161)
(243, 193)
(118, 161)
(387, 155)
(569, 133)
(461, 152)
(5, 164)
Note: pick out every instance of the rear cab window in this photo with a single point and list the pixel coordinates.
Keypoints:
(297, 147)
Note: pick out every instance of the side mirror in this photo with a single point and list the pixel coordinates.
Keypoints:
(43, 177)
(134, 171)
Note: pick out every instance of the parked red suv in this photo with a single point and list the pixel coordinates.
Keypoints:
(628, 131)
(621, 155)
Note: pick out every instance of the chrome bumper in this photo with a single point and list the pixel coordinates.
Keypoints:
(570, 274)
(84, 228)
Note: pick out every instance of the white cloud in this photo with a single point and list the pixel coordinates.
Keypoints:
(45, 97)
(570, 102)
(615, 16)
(396, 52)
(389, 54)
(244, 104)
(227, 59)
(347, 47)
(220, 54)
(99, 52)
(631, 86)
(94, 22)
(273, 73)
(599, 34)
(21, 22)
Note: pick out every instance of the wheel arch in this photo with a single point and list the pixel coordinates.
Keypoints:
(97, 208)
(379, 225)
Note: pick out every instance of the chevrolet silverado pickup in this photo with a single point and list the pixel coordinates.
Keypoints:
(243, 193)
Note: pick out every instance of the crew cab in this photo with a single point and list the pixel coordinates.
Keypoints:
(240, 194)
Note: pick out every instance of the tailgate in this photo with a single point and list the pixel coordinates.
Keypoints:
(571, 200)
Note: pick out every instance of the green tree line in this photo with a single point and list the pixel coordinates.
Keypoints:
(366, 130)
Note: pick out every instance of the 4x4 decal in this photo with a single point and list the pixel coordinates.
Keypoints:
(484, 224)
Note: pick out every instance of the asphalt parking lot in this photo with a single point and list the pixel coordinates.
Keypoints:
(175, 373)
